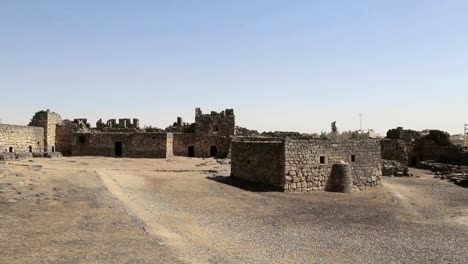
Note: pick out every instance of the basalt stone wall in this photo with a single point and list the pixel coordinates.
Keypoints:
(259, 161)
(21, 139)
(308, 163)
(395, 149)
(428, 149)
(182, 142)
(212, 146)
(112, 144)
(202, 146)
(64, 138)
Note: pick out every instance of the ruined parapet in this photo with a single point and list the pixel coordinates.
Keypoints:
(123, 123)
(341, 178)
(219, 124)
(47, 120)
(82, 124)
(181, 127)
(179, 121)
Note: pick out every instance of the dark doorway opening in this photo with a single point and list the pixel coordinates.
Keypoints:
(53, 149)
(413, 161)
(118, 148)
(191, 151)
(10, 149)
(30, 148)
(213, 151)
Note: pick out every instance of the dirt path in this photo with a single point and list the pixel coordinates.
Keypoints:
(158, 221)
(101, 210)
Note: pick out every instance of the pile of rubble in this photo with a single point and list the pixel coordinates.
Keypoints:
(15, 156)
(395, 168)
(441, 167)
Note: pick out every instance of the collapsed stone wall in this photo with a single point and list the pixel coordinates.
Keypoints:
(21, 139)
(259, 161)
(309, 163)
(49, 121)
(410, 147)
(135, 145)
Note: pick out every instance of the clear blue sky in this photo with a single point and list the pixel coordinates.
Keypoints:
(282, 65)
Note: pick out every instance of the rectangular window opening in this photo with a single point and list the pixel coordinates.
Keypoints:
(322, 159)
(353, 158)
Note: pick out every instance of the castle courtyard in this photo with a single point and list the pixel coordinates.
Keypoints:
(188, 210)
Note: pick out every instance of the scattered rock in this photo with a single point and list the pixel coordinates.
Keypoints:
(224, 161)
(441, 168)
(395, 168)
(36, 167)
(15, 174)
(11, 201)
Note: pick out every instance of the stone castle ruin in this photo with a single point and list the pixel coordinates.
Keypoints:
(285, 161)
(48, 133)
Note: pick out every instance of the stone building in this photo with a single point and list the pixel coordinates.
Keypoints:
(307, 165)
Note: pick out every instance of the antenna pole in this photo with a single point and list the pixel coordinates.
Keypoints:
(465, 135)
(360, 122)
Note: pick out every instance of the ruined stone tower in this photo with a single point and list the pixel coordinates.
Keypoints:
(49, 121)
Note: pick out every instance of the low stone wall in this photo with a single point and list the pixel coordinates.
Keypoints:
(260, 162)
(15, 156)
(135, 145)
(21, 139)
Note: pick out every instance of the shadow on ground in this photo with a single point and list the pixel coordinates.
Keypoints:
(463, 184)
(243, 184)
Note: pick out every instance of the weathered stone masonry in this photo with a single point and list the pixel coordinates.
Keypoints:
(306, 165)
(49, 121)
(259, 160)
(21, 139)
(125, 144)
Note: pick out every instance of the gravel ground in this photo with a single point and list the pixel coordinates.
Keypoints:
(187, 210)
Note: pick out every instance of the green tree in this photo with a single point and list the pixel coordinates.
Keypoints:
(333, 127)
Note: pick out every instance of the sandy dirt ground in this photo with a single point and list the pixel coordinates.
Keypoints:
(187, 210)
